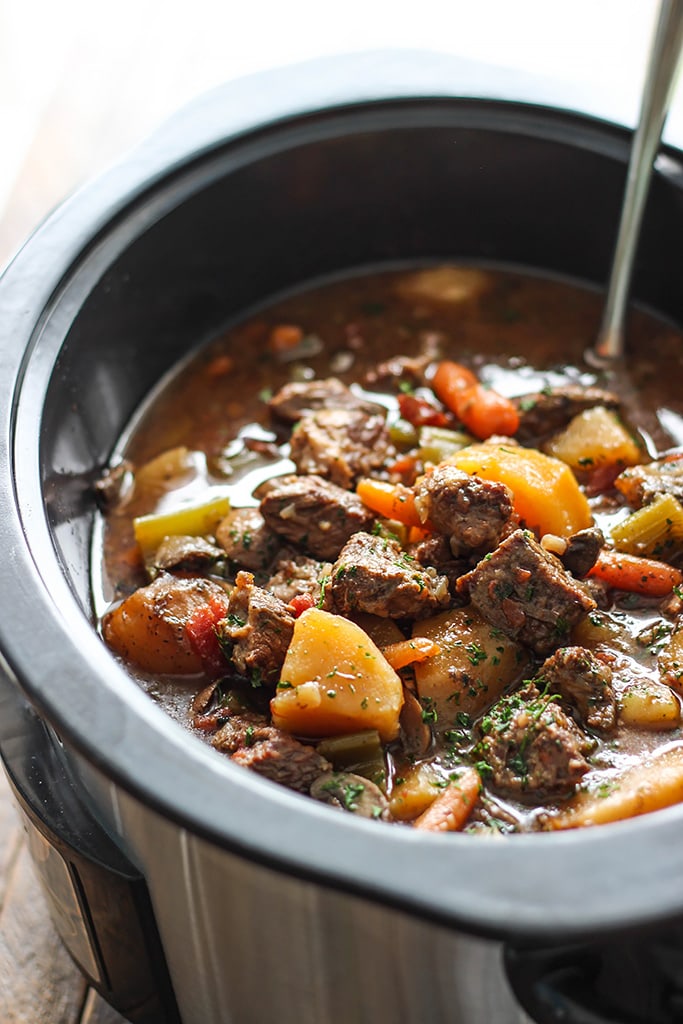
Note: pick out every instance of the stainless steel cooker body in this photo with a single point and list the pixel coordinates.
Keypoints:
(270, 906)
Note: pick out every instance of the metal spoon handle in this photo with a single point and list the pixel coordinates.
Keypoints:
(657, 92)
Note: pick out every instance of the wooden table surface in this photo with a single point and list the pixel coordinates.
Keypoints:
(39, 983)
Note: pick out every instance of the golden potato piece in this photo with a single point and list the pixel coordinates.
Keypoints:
(335, 680)
(656, 783)
(595, 438)
(148, 629)
(475, 664)
(649, 704)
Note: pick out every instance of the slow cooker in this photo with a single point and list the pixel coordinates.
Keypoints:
(186, 889)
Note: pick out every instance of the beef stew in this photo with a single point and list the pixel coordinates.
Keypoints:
(394, 543)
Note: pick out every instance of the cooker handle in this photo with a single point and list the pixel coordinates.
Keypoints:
(633, 980)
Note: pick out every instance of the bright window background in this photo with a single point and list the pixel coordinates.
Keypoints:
(81, 81)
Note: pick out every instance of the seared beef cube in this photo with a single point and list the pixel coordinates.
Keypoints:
(585, 682)
(532, 748)
(246, 539)
(241, 729)
(314, 513)
(582, 550)
(340, 444)
(375, 575)
(526, 592)
(471, 511)
(257, 629)
(303, 397)
(186, 554)
(298, 575)
(552, 409)
(640, 485)
(283, 759)
(435, 551)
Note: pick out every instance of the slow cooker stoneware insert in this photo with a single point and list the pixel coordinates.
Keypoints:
(187, 889)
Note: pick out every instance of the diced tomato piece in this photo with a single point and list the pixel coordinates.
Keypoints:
(422, 413)
(201, 633)
(301, 603)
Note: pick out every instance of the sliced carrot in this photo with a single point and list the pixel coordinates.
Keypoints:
(219, 366)
(644, 576)
(406, 652)
(449, 381)
(284, 337)
(392, 501)
(453, 806)
(483, 411)
(416, 534)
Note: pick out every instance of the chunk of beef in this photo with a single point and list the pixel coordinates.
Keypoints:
(340, 444)
(191, 554)
(526, 592)
(300, 398)
(582, 550)
(435, 551)
(472, 512)
(533, 749)
(585, 682)
(297, 574)
(241, 729)
(550, 410)
(246, 539)
(375, 575)
(410, 369)
(640, 485)
(257, 628)
(115, 486)
(314, 513)
(254, 744)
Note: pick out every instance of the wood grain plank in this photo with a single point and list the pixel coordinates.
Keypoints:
(39, 984)
(10, 835)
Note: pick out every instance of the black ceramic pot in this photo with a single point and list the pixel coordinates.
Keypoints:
(268, 905)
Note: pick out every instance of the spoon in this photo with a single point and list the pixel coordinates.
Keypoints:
(657, 92)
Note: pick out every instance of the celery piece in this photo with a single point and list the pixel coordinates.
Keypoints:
(655, 529)
(437, 443)
(361, 751)
(351, 748)
(190, 521)
(403, 434)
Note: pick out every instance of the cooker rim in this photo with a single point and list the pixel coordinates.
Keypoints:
(342, 852)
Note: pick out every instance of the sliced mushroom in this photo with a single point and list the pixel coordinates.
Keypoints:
(352, 793)
(184, 552)
(416, 735)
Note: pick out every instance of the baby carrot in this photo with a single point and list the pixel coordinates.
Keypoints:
(407, 652)
(643, 576)
(483, 411)
(453, 805)
(392, 501)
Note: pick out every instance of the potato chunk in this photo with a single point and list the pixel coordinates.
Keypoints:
(595, 438)
(149, 629)
(545, 492)
(656, 783)
(649, 704)
(415, 790)
(335, 680)
(475, 663)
